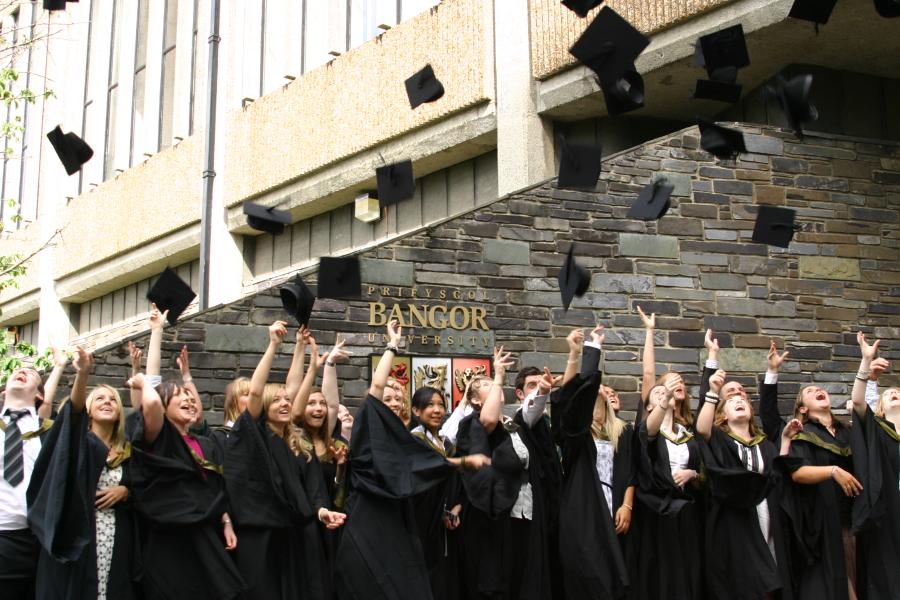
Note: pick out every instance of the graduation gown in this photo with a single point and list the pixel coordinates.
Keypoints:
(593, 564)
(62, 515)
(440, 545)
(876, 511)
(667, 530)
(503, 558)
(268, 502)
(380, 556)
(181, 498)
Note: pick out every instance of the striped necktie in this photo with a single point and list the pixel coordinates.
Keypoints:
(13, 460)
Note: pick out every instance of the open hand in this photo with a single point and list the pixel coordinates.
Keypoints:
(649, 322)
(775, 359)
(110, 496)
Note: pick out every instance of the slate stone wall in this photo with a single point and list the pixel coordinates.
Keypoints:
(696, 268)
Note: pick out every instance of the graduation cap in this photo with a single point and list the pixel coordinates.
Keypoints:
(171, 293)
(266, 218)
(775, 226)
(609, 46)
(581, 7)
(888, 8)
(719, 141)
(395, 183)
(625, 94)
(71, 149)
(793, 95)
(817, 11)
(339, 277)
(653, 201)
(297, 300)
(721, 91)
(724, 52)
(56, 4)
(423, 87)
(574, 279)
(579, 164)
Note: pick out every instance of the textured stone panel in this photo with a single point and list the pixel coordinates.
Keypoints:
(824, 267)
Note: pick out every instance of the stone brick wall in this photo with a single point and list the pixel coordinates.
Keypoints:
(695, 268)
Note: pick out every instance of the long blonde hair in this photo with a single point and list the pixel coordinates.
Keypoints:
(118, 437)
(612, 427)
(879, 407)
(683, 413)
(235, 389)
(293, 436)
(405, 410)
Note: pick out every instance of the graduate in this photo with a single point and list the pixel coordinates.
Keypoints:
(819, 498)
(380, 556)
(746, 549)
(667, 536)
(79, 500)
(876, 463)
(180, 494)
(272, 508)
(598, 488)
(438, 510)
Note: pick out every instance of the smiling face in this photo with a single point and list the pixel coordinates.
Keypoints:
(432, 415)
(104, 405)
(612, 396)
(278, 410)
(737, 409)
(393, 399)
(181, 408)
(888, 402)
(812, 400)
(344, 416)
(24, 384)
(316, 411)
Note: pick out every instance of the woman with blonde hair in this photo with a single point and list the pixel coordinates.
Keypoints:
(746, 543)
(876, 511)
(274, 497)
(78, 501)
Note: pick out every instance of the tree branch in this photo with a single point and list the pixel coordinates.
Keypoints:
(21, 262)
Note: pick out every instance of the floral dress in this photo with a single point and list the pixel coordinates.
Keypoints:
(106, 529)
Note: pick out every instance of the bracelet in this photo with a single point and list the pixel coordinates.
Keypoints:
(572, 362)
(628, 506)
(712, 398)
(862, 374)
(866, 379)
(392, 348)
(462, 463)
(833, 469)
(329, 363)
(187, 379)
(226, 521)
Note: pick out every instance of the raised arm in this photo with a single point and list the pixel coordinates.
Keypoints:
(59, 365)
(329, 381)
(154, 347)
(135, 354)
(869, 352)
(295, 373)
(707, 416)
(380, 376)
(772, 422)
(712, 362)
(575, 339)
(298, 407)
(493, 405)
(878, 366)
(790, 431)
(184, 365)
(648, 361)
(151, 407)
(261, 373)
(658, 414)
(83, 363)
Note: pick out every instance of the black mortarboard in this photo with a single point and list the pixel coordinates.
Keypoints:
(339, 277)
(724, 52)
(888, 8)
(579, 164)
(624, 94)
(720, 141)
(581, 7)
(266, 218)
(423, 87)
(653, 201)
(71, 149)
(297, 300)
(574, 279)
(56, 4)
(722, 91)
(817, 11)
(793, 95)
(775, 226)
(609, 46)
(395, 183)
(171, 293)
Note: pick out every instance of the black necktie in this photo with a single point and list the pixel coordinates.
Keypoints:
(13, 461)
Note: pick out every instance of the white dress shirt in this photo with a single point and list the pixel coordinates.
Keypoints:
(13, 508)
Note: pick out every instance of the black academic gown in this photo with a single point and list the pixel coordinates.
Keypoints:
(440, 545)
(380, 556)
(268, 503)
(876, 511)
(182, 502)
(816, 513)
(667, 528)
(504, 557)
(62, 515)
(593, 563)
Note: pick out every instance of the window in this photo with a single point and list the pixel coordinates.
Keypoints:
(140, 85)
(167, 87)
(195, 51)
(112, 91)
(92, 74)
